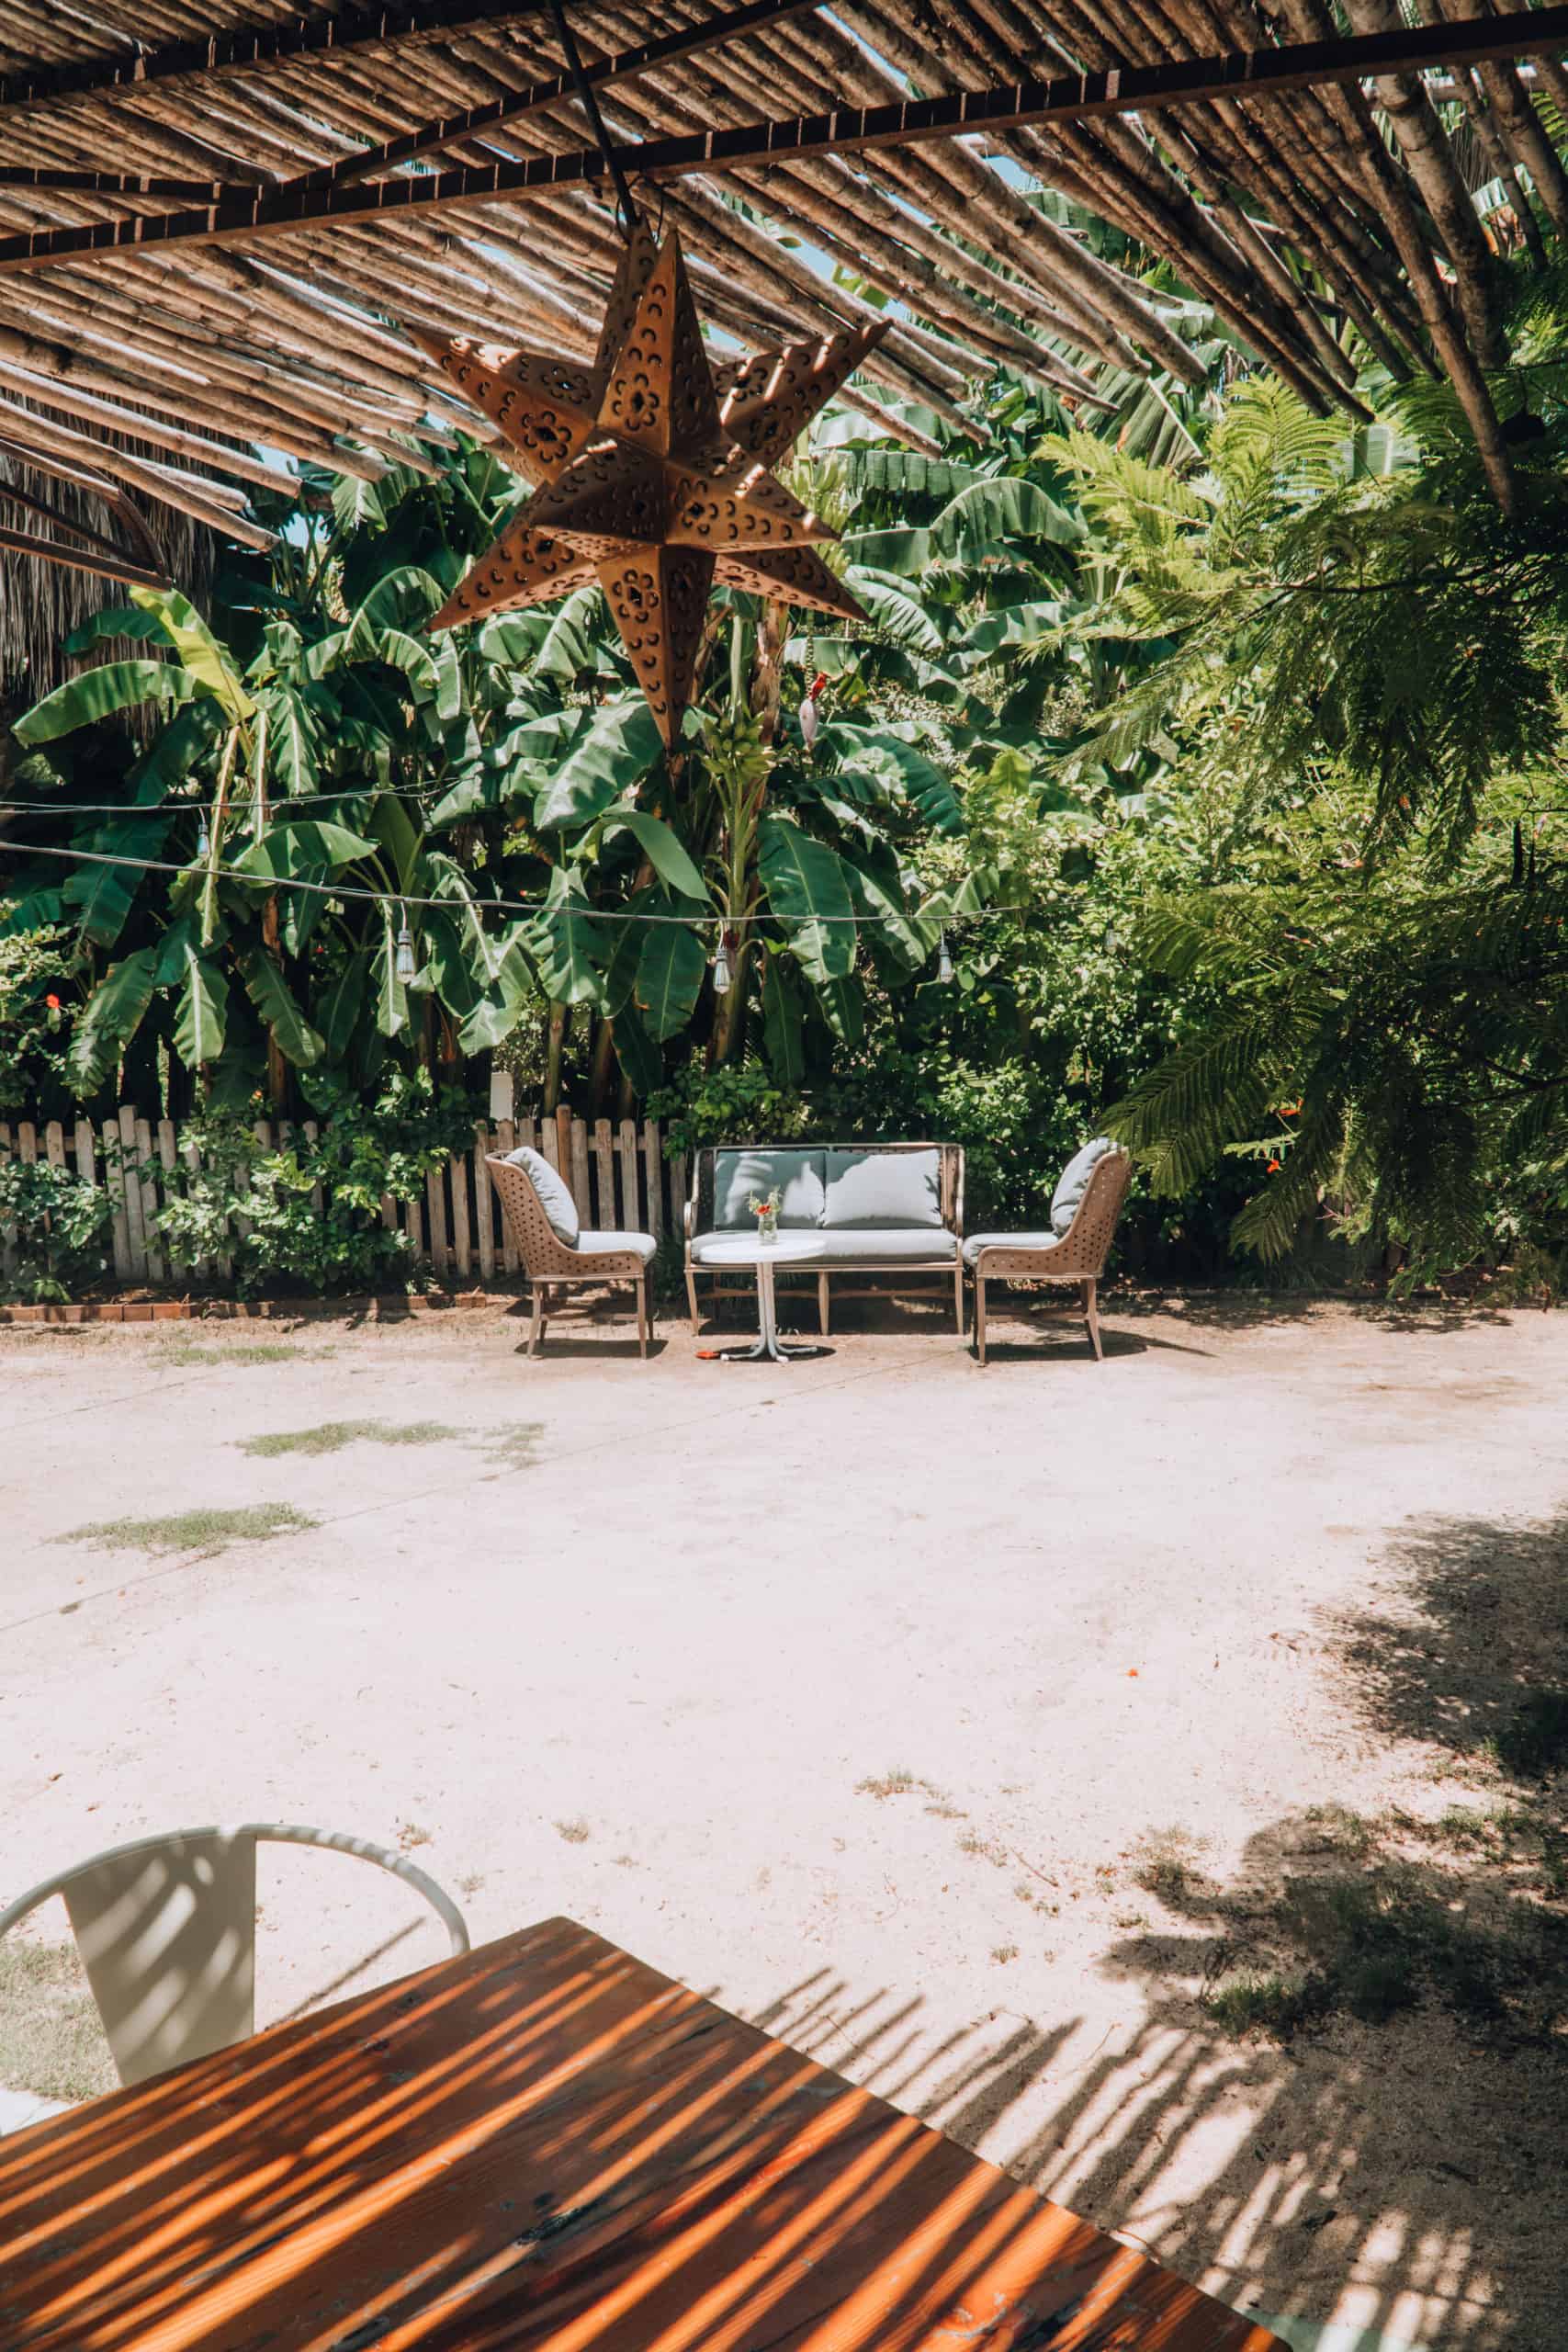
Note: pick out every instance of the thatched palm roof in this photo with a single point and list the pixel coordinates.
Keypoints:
(222, 214)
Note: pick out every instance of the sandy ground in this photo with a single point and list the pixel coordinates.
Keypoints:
(631, 1647)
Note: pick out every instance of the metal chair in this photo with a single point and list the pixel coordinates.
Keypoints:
(166, 1930)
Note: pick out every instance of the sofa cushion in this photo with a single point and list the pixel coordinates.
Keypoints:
(872, 1189)
(736, 1175)
(978, 1241)
(555, 1197)
(598, 1244)
(879, 1245)
(1073, 1183)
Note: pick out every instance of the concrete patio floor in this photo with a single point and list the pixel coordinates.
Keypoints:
(856, 1694)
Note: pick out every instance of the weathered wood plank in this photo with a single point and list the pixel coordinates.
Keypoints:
(168, 1161)
(678, 1192)
(580, 1171)
(115, 1185)
(54, 1144)
(438, 1242)
(462, 1240)
(130, 1185)
(484, 1203)
(605, 1173)
(654, 1159)
(630, 1219)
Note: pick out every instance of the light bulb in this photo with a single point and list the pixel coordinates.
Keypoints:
(405, 952)
(722, 975)
(203, 840)
(943, 960)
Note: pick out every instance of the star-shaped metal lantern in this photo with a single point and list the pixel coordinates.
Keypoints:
(653, 467)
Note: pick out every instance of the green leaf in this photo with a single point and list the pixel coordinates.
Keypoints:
(640, 1059)
(619, 750)
(391, 996)
(844, 1007)
(668, 978)
(356, 503)
(1002, 507)
(568, 647)
(424, 676)
(511, 639)
(565, 944)
(905, 553)
(391, 827)
(98, 693)
(303, 847)
(106, 894)
(874, 885)
(880, 751)
(339, 1008)
(515, 991)
(111, 1018)
(270, 994)
(203, 1012)
(662, 848)
(291, 739)
(807, 891)
(405, 598)
(119, 620)
(203, 659)
(176, 749)
(893, 610)
(783, 1028)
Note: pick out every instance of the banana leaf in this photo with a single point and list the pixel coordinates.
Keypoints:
(271, 995)
(200, 1021)
(98, 693)
(807, 891)
(111, 1018)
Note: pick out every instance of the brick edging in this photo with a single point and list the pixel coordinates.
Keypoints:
(384, 1307)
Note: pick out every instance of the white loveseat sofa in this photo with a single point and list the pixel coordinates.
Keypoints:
(893, 1210)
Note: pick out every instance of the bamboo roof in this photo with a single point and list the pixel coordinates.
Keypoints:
(219, 217)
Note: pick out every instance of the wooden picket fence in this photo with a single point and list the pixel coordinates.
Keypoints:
(617, 1171)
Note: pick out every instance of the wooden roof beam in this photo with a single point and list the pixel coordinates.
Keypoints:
(241, 216)
(352, 26)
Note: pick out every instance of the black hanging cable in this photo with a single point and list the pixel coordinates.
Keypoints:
(629, 216)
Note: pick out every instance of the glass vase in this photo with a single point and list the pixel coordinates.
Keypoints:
(767, 1227)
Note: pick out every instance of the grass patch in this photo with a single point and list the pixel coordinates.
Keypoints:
(188, 1530)
(576, 1832)
(1335, 1829)
(1246, 2004)
(1001, 1954)
(184, 1353)
(1168, 1867)
(894, 1784)
(331, 1437)
(51, 2042)
(512, 1446)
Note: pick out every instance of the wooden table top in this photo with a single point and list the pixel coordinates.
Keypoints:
(546, 2144)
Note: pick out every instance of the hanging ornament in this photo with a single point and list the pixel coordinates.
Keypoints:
(653, 467)
(943, 960)
(203, 839)
(405, 950)
(722, 975)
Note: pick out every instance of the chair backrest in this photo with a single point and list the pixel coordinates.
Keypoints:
(536, 1242)
(166, 1930)
(700, 1206)
(1086, 1245)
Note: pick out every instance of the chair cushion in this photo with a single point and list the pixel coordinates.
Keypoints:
(871, 1189)
(978, 1241)
(736, 1175)
(867, 1246)
(555, 1196)
(597, 1245)
(1073, 1183)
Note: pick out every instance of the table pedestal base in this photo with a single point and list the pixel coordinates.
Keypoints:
(769, 1348)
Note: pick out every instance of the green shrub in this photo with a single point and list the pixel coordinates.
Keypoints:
(363, 1152)
(62, 1227)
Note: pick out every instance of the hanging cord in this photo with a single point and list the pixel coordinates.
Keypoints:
(626, 210)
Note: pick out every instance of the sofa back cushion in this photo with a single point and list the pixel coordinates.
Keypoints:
(1074, 1183)
(555, 1198)
(868, 1189)
(796, 1176)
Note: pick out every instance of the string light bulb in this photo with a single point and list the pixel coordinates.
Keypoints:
(203, 839)
(722, 975)
(405, 950)
(943, 960)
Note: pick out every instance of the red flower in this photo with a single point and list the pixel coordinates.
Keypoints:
(53, 1002)
(1273, 1168)
(818, 682)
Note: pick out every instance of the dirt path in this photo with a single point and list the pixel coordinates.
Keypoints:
(953, 1725)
